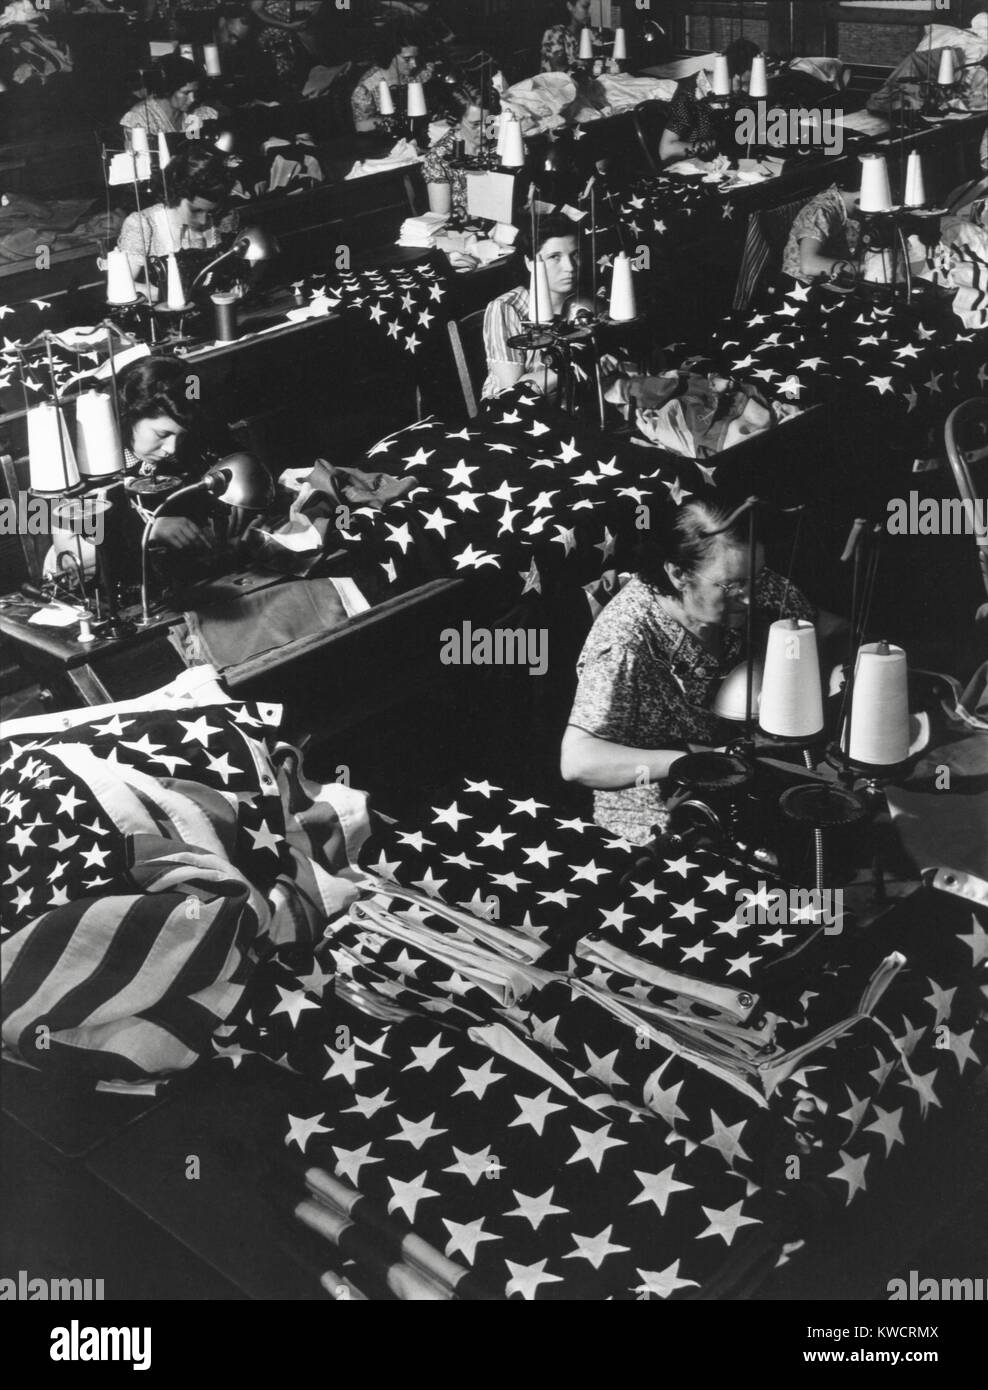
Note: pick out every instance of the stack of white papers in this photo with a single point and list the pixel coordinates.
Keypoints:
(423, 230)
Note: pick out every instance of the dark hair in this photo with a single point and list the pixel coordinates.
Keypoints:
(681, 536)
(152, 387)
(174, 72)
(739, 54)
(556, 224)
(196, 172)
(457, 98)
(390, 43)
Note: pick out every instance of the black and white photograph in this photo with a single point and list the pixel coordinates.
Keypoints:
(494, 668)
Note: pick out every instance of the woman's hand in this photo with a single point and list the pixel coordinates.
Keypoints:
(178, 533)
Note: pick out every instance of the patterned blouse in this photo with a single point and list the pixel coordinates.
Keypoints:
(560, 49)
(824, 219)
(647, 682)
(436, 169)
(156, 115)
(366, 98)
(160, 230)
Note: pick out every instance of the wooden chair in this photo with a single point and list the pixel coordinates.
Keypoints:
(765, 242)
(466, 338)
(966, 437)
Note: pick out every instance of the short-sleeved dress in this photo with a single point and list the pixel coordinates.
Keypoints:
(824, 219)
(436, 169)
(560, 49)
(646, 682)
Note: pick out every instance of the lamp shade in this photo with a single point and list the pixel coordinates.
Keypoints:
(880, 707)
(385, 100)
(97, 437)
(758, 81)
(254, 244)
(730, 701)
(53, 466)
(586, 44)
(416, 100)
(240, 480)
(876, 195)
(791, 704)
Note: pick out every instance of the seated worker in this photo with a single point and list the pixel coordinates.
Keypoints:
(447, 187)
(655, 659)
(159, 430)
(241, 56)
(173, 108)
(824, 238)
(561, 42)
(689, 131)
(506, 316)
(196, 187)
(400, 64)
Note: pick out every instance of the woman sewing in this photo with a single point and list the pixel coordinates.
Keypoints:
(561, 42)
(824, 239)
(174, 109)
(689, 132)
(446, 183)
(556, 244)
(189, 216)
(401, 65)
(656, 657)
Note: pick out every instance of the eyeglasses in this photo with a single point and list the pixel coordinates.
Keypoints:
(737, 588)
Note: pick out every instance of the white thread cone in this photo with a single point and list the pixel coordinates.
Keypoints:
(722, 76)
(44, 453)
(623, 307)
(211, 60)
(880, 706)
(416, 100)
(791, 703)
(96, 434)
(176, 292)
(915, 183)
(876, 195)
(947, 74)
(758, 81)
(586, 44)
(620, 45)
(513, 153)
(119, 281)
(385, 100)
(539, 302)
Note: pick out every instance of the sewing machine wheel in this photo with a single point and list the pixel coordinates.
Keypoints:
(712, 771)
(821, 807)
(532, 340)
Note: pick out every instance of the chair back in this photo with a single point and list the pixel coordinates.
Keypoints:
(768, 232)
(466, 338)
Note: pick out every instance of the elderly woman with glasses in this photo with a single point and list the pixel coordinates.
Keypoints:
(656, 657)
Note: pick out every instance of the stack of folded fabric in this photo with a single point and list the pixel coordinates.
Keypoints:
(422, 231)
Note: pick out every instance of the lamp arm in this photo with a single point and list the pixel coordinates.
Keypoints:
(189, 488)
(224, 256)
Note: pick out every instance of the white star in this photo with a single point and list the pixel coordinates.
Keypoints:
(541, 854)
(316, 980)
(589, 872)
(430, 884)
(265, 838)
(533, 580)
(300, 1131)
(368, 1106)
(883, 385)
(417, 1133)
(68, 801)
(407, 1195)
(350, 1161)
(659, 1187)
(450, 815)
(94, 858)
(419, 459)
(465, 1237)
(343, 1062)
(941, 1000)
(427, 1057)
(852, 1172)
(477, 1080)
(726, 1139)
(726, 1223)
(743, 963)
(399, 535)
(887, 1125)
(435, 521)
(535, 1112)
(593, 1145)
(977, 939)
(602, 1069)
(198, 731)
(509, 880)
(615, 918)
(664, 1282)
(688, 910)
(960, 1046)
(525, 1279)
(595, 1249)
(474, 1166)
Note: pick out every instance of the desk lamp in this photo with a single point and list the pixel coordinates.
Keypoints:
(253, 245)
(240, 480)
